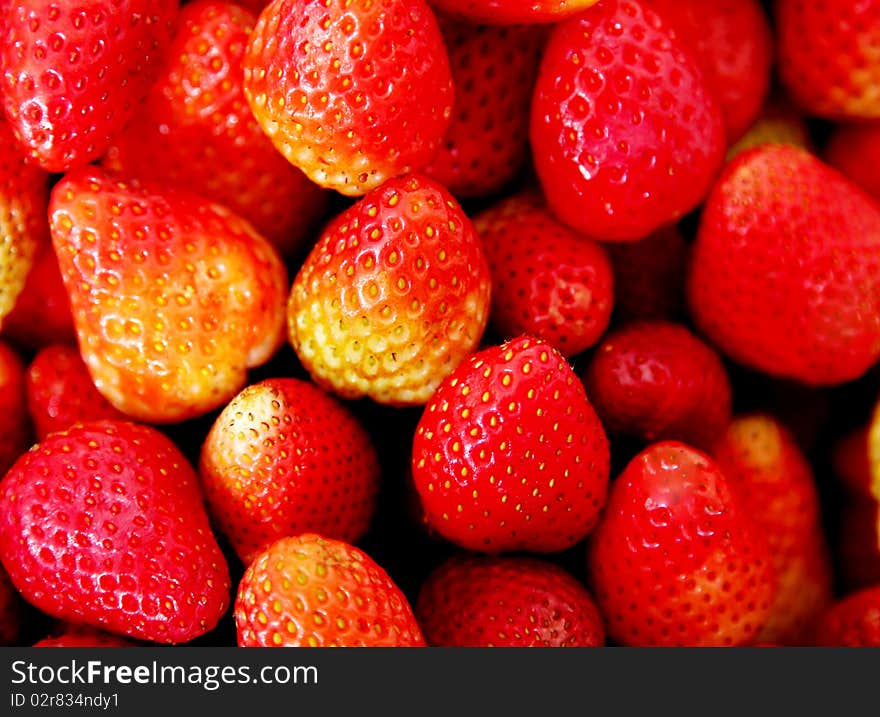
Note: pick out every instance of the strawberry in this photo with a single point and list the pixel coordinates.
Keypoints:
(675, 559)
(780, 122)
(84, 636)
(73, 74)
(10, 611)
(60, 391)
(509, 454)
(733, 45)
(852, 621)
(827, 57)
(198, 131)
(312, 591)
(174, 298)
(626, 135)
(506, 12)
(493, 68)
(785, 270)
(393, 296)
(772, 480)
(352, 94)
(547, 280)
(853, 149)
(15, 426)
(655, 380)
(105, 526)
(489, 601)
(284, 458)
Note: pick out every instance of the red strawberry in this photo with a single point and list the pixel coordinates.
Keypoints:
(197, 131)
(827, 56)
(506, 12)
(854, 150)
(284, 458)
(174, 298)
(15, 426)
(393, 296)
(656, 380)
(546, 280)
(494, 68)
(772, 480)
(675, 560)
(733, 44)
(73, 74)
(482, 601)
(312, 591)
(626, 135)
(853, 621)
(509, 455)
(84, 636)
(105, 526)
(785, 271)
(10, 611)
(60, 391)
(352, 94)
(780, 122)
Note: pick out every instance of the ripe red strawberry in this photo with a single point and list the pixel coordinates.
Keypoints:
(785, 270)
(852, 621)
(483, 601)
(312, 591)
(648, 276)
(827, 56)
(197, 131)
(854, 150)
(733, 45)
(15, 426)
(104, 525)
(60, 391)
(494, 69)
(174, 298)
(10, 611)
(656, 380)
(780, 122)
(84, 636)
(773, 481)
(675, 560)
(626, 134)
(546, 280)
(73, 74)
(509, 454)
(506, 12)
(393, 296)
(285, 458)
(352, 94)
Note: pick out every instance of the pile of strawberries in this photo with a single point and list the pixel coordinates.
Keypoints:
(440, 322)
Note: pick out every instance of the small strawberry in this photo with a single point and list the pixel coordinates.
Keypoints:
(83, 636)
(60, 391)
(547, 280)
(509, 454)
(105, 526)
(15, 426)
(488, 601)
(780, 122)
(73, 74)
(312, 591)
(352, 94)
(853, 149)
(507, 12)
(626, 135)
(675, 560)
(656, 380)
(785, 270)
(10, 611)
(393, 296)
(852, 621)
(174, 298)
(285, 458)
(197, 131)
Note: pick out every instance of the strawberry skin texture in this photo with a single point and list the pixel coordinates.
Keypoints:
(15, 426)
(174, 298)
(352, 94)
(284, 458)
(733, 44)
(675, 560)
(656, 380)
(547, 281)
(494, 69)
(828, 57)
(490, 601)
(313, 591)
(852, 621)
(626, 135)
(507, 12)
(72, 75)
(509, 454)
(197, 131)
(105, 526)
(854, 150)
(60, 391)
(393, 296)
(785, 270)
